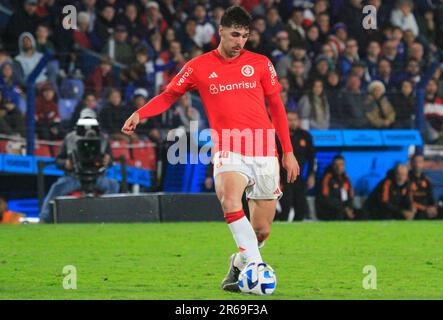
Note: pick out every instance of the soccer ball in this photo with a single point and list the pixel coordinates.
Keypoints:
(257, 278)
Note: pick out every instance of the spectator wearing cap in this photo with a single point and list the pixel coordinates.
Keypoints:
(282, 46)
(337, 39)
(404, 106)
(23, 20)
(403, 17)
(314, 107)
(46, 114)
(349, 56)
(101, 78)
(152, 18)
(89, 102)
(380, 113)
(294, 27)
(84, 36)
(105, 23)
(118, 47)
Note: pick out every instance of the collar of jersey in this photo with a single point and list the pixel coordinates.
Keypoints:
(227, 61)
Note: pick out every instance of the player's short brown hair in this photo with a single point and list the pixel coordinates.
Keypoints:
(236, 16)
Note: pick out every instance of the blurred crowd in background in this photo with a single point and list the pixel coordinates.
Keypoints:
(334, 73)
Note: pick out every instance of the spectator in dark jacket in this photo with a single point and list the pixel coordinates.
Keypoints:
(12, 122)
(421, 188)
(46, 114)
(294, 194)
(336, 196)
(23, 20)
(392, 197)
(101, 78)
(353, 106)
(105, 23)
(404, 106)
(113, 115)
(118, 47)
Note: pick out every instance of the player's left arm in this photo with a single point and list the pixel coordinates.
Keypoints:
(272, 88)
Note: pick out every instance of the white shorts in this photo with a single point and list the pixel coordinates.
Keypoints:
(261, 173)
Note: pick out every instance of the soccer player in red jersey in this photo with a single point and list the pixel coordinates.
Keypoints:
(233, 84)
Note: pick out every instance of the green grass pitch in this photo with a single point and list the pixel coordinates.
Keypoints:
(188, 260)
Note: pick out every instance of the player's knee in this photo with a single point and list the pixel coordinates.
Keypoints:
(230, 203)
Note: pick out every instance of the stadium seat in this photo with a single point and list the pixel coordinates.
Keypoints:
(119, 148)
(3, 144)
(42, 150)
(72, 89)
(145, 157)
(66, 107)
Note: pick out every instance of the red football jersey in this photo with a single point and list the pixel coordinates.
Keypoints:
(233, 93)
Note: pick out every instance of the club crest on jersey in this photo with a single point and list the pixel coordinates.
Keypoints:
(247, 70)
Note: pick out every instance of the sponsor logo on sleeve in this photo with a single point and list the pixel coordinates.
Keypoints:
(273, 73)
(185, 75)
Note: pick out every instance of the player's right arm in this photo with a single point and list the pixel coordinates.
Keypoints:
(181, 83)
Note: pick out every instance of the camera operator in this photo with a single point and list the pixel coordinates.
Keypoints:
(84, 156)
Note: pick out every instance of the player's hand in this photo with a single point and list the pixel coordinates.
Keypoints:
(131, 124)
(291, 166)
